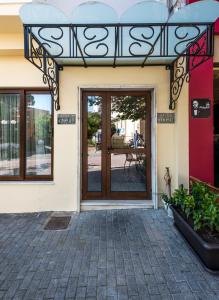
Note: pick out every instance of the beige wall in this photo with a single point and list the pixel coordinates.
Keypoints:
(182, 138)
(63, 194)
(11, 41)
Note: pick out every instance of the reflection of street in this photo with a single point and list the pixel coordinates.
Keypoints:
(94, 170)
(36, 165)
(39, 164)
(9, 168)
(131, 178)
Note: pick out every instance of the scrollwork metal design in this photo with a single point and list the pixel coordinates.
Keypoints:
(51, 79)
(94, 40)
(39, 57)
(49, 40)
(182, 34)
(45, 44)
(179, 75)
(144, 40)
(116, 41)
(36, 54)
(198, 52)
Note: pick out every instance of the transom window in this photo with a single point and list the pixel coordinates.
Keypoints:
(26, 135)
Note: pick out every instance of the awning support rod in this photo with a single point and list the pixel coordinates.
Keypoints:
(78, 45)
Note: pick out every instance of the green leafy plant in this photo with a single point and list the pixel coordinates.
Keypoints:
(94, 123)
(200, 205)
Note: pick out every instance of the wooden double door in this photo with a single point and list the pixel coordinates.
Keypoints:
(116, 145)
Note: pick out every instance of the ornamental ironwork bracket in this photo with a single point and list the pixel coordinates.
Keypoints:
(179, 73)
(36, 53)
(201, 50)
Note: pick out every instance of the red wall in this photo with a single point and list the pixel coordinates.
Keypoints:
(217, 27)
(201, 151)
(201, 163)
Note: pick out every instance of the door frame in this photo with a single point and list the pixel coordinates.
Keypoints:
(104, 88)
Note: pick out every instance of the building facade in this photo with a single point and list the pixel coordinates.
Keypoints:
(112, 138)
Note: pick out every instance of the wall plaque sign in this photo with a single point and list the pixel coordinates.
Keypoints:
(166, 118)
(201, 108)
(65, 119)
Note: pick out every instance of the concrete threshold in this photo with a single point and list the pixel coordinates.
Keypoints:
(87, 205)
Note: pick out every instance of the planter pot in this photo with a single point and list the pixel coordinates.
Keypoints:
(207, 252)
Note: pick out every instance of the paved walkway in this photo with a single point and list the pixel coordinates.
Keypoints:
(124, 255)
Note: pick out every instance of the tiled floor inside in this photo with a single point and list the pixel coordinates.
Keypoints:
(115, 255)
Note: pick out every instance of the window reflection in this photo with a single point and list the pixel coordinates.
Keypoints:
(9, 134)
(94, 136)
(128, 168)
(38, 134)
(128, 172)
(128, 122)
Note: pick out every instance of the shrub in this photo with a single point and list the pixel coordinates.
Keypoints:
(200, 205)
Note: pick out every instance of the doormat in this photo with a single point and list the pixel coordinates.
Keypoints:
(58, 223)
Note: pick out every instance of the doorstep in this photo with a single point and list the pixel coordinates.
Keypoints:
(115, 204)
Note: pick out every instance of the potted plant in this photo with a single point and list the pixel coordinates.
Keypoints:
(196, 215)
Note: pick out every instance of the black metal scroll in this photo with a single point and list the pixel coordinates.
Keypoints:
(36, 53)
(178, 75)
(198, 52)
(83, 43)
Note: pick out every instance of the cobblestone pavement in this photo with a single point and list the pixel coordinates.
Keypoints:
(113, 255)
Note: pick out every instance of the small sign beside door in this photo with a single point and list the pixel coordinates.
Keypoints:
(166, 118)
(66, 119)
(201, 108)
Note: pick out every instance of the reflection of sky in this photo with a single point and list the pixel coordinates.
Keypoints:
(92, 107)
(42, 101)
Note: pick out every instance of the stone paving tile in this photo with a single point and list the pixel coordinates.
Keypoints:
(103, 255)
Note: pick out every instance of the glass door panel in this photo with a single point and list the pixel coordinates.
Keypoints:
(94, 143)
(128, 172)
(128, 115)
(128, 143)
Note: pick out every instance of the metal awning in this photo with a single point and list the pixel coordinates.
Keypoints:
(148, 33)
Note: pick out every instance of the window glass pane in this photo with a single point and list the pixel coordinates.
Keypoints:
(38, 134)
(94, 136)
(9, 134)
(128, 122)
(128, 137)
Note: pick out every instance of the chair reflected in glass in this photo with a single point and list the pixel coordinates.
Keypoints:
(137, 158)
(129, 158)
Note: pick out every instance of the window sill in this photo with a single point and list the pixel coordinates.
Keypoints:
(27, 182)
